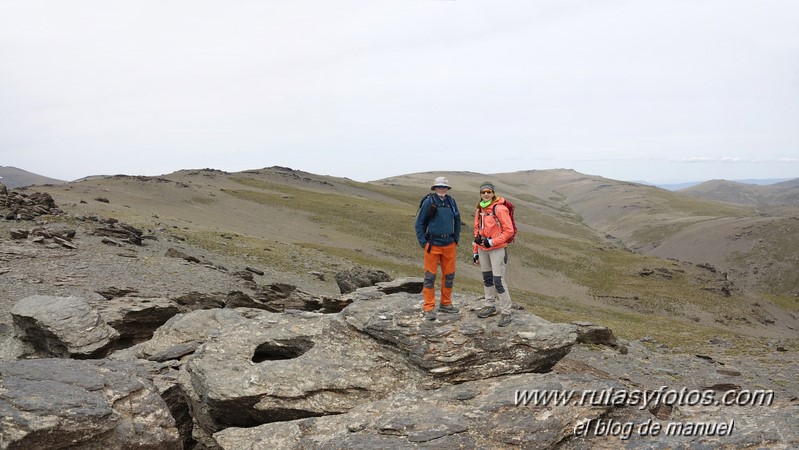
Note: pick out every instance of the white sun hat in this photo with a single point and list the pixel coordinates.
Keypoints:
(441, 182)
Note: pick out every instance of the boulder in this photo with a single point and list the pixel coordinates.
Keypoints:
(61, 403)
(64, 327)
(358, 277)
(591, 333)
(279, 367)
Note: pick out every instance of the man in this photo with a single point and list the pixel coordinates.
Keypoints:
(438, 229)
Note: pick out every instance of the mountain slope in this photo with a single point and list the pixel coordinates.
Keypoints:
(572, 257)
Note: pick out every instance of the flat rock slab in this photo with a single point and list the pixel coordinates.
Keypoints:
(461, 347)
(64, 327)
(476, 414)
(63, 403)
(183, 334)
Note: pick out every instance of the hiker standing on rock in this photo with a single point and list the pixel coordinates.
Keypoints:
(493, 229)
(438, 229)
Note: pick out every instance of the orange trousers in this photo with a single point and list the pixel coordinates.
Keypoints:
(445, 256)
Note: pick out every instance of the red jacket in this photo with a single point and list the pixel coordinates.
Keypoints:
(498, 228)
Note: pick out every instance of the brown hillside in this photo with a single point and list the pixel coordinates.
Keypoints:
(622, 254)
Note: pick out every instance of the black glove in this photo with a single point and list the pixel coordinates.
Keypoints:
(478, 240)
(487, 242)
(475, 257)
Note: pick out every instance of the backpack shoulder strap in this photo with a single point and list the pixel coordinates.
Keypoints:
(494, 212)
(431, 210)
(453, 205)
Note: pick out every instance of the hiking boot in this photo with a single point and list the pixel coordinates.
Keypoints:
(504, 321)
(430, 315)
(452, 309)
(487, 311)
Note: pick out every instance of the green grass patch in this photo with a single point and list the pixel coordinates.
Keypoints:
(666, 202)
(616, 273)
(371, 221)
(775, 257)
(394, 268)
(279, 256)
(786, 302)
(678, 334)
(197, 200)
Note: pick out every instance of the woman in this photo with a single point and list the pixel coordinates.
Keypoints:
(492, 230)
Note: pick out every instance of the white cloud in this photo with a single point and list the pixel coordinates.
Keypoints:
(722, 159)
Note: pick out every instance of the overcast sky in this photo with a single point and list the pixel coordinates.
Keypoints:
(662, 91)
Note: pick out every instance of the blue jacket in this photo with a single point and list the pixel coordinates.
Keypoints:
(444, 227)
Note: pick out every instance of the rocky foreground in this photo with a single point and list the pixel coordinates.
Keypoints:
(373, 375)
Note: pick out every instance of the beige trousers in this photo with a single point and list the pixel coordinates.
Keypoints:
(493, 264)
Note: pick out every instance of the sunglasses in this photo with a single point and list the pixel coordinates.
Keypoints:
(487, 191)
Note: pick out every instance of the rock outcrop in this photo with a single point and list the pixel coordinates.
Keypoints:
(17, 205)
(279, 367)
(136, 318)
(64, 403)
(50, 236)
(121, 231)
(228, 373)
(476, 414)
(461, 347)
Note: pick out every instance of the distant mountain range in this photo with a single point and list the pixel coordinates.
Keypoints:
(785, 193)
(13, 177)
(688, 184)
(751, 192)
